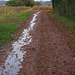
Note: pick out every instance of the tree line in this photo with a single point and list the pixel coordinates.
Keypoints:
(65, 8)
(20, 3)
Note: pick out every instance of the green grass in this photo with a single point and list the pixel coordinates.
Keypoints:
(68, 24)
(7, 27)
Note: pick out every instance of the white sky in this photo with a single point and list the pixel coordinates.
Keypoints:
(42, 0)
(34, 0)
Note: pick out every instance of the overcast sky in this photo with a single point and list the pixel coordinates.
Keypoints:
(42, 0)
(34, 0)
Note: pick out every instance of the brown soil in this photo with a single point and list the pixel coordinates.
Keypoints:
(50, 52)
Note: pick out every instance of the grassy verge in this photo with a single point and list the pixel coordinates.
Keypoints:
(68, 25)
(9, 24)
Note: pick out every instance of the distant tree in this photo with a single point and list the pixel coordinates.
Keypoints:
(29, 2)
(38, 4)
(20, 3)
(11, 3)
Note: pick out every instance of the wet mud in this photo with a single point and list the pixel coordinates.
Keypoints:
(13, 62)
(43, 49)
(49, 53)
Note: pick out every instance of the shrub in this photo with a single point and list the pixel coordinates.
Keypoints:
(20, 3)
(65, 8)
(42, 8)
(25, 8)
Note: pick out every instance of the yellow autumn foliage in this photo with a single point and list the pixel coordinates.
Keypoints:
(25, 8)
(11, 10)
(42, 8)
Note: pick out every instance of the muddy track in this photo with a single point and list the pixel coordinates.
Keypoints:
(48, 53)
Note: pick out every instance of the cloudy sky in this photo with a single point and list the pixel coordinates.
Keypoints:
(42, 0)
(34, 0)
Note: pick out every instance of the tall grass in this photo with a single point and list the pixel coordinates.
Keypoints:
(11, 10)
(6, 10)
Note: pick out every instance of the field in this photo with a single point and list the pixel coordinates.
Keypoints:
(18, 14)
(11, 10)
(42, 8)
(10, 20)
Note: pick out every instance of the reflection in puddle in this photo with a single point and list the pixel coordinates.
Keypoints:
(14, 59)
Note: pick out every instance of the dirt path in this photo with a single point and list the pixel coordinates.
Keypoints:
(48, 53)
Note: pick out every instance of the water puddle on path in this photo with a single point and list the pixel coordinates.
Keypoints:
(14, 59)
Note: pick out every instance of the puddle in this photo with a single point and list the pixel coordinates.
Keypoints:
(13, 63)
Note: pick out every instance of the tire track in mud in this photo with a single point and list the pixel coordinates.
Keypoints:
(13, 62)
(49, 53)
